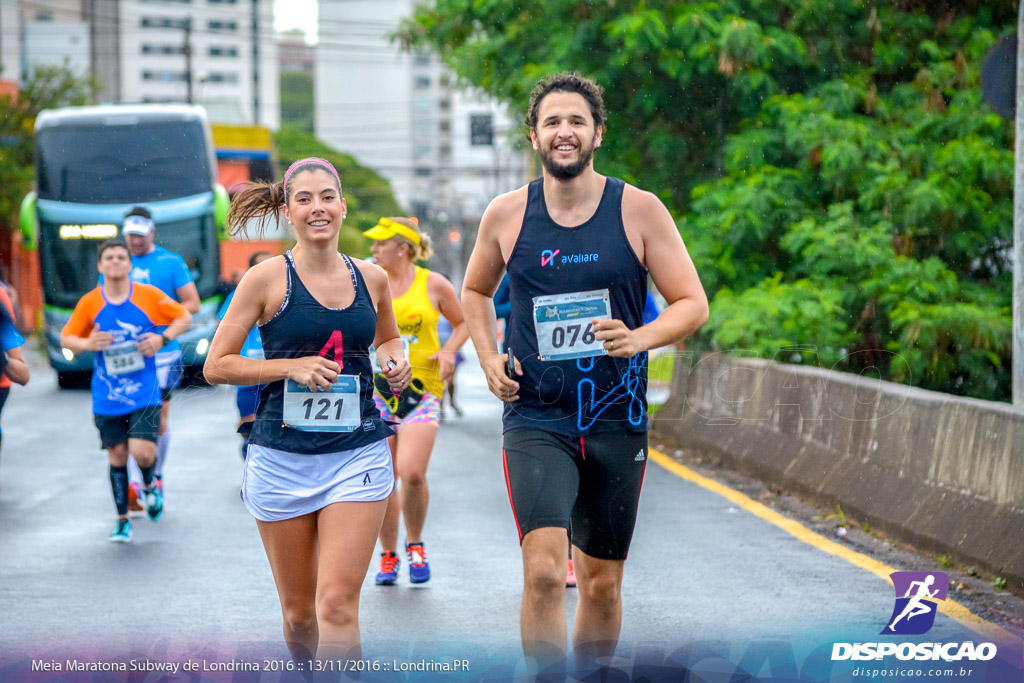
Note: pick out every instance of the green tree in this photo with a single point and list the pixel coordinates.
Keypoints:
(837, 177)
(297, 101)
(48, 87)
(367, 194)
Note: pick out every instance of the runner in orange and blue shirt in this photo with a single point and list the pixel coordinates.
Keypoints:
(419, 299)
(118, 320)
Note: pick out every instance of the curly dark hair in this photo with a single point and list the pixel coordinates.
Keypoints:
(567, 82)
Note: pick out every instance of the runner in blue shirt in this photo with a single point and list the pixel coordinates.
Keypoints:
(167, 271)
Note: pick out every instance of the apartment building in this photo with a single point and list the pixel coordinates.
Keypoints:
(294, 54)
(219, 53)
(446, 151)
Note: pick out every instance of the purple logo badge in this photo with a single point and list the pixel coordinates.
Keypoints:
(916, 596)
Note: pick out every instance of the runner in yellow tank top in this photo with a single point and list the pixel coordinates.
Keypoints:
(417, 322)
(419, 298)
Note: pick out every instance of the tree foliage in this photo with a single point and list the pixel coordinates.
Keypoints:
(837, 177)
(297, 101)
(48, 87)
(367, 194)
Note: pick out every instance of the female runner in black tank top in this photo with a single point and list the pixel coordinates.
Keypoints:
(319, 559)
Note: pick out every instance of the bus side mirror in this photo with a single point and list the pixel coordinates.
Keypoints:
(28, 222)
(221, 203)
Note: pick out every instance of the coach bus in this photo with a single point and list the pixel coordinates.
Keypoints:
(92, 165)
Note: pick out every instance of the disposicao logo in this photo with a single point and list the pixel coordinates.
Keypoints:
(916, 596)
(547, 257)
(913, 614)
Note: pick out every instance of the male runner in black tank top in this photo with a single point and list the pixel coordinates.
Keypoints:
(578, 247)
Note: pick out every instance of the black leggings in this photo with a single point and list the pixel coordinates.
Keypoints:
(589, 486)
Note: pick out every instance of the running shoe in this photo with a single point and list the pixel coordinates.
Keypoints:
(388, 573)
(122, 532)
(570, 576)
(135, 507)
(154, 501)
(419, 568)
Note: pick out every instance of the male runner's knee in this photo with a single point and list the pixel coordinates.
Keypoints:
(543, 574)
(602, 587)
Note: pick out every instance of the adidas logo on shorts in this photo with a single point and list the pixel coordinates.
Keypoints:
(640, 457)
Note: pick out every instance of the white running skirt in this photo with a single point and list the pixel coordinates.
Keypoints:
(278, 485)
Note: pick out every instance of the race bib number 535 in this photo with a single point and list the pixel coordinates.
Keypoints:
(564, 324)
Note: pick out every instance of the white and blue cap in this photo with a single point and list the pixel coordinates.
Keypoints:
(137, 225)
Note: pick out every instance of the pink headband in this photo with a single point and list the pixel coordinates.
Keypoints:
(311, 160)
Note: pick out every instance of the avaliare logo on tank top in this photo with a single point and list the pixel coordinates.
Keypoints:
(557, 258)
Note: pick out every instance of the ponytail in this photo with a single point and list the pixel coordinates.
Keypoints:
(257, 200)
(424, 251)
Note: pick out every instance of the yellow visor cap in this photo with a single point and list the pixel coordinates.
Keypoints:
(385, 230)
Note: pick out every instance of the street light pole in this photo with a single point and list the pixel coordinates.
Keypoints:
(1018, 222)
(187, 50)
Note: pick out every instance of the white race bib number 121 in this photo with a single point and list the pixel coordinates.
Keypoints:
(564, 324)
(334, 410)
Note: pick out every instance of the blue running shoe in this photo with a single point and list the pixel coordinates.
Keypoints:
(388, 573)
(122, 532)
(419, 568)
(154, 501)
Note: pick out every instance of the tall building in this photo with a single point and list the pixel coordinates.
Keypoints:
(10, 42)
(294, 54)
(446, 151)
(219, 53)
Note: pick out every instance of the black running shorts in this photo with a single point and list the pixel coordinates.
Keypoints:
(143, 423)
(588, 485)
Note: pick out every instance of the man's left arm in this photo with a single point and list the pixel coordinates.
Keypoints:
(673, 272)
(188, 295)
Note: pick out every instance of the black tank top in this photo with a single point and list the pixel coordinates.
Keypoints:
(304, 327)
(584, 395)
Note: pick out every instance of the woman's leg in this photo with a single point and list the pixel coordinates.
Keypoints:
(389, 529)
(291, 547)
(411, 468)
(347, 533)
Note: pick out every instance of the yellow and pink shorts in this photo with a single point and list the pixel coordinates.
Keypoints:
(427, 410)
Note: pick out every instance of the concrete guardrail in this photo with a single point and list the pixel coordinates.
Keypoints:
(941, 472)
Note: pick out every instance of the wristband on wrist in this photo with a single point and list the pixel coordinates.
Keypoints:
(165, 339)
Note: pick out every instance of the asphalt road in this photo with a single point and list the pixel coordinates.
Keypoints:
(709, 588)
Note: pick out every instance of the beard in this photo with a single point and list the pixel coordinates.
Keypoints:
(560, 171)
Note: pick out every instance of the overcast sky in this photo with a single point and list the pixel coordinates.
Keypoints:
(296, 14)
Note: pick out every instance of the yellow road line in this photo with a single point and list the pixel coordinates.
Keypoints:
(950, 608)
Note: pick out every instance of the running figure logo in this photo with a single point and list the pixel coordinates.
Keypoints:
(916, 596)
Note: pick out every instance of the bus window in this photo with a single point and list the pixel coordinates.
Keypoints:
(117, 164)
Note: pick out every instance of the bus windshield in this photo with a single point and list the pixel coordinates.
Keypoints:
(92, 163)
(68, 266)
